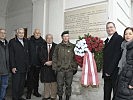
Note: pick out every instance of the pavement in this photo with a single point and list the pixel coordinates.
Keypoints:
(82, 93)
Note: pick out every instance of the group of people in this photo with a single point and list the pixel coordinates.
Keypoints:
(118, 64)
(29, 60)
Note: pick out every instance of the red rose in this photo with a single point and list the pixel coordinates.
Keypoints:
(100, 44)
(79, 60)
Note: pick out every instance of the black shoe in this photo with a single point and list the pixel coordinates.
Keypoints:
(60, 97)
(53, 98)
(37, 94)
(22, 99)
(67, 97)
(28, 96)
(44, 99)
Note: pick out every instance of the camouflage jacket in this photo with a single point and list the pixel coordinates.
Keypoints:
(64, 57)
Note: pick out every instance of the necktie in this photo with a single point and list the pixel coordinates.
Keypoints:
(4, 43)
(107, 40)
(49, 47)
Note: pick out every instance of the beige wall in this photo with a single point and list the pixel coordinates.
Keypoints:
(19, 14)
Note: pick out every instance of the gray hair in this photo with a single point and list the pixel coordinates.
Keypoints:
(19, 29)
(48, 35)
(2, 29)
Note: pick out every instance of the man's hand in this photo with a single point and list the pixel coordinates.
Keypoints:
(14, 70)
(130, 87)
(48, 63)
(107, 74)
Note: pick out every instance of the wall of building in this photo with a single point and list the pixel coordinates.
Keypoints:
(132, 13)
(120, 13)
(70, 4)
(3, 7)
(19, 14)
(56, 19)
(2, 22)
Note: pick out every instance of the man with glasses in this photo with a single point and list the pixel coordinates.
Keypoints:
(4, 63)
(19, 62)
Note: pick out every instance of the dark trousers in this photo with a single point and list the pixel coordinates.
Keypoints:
(18, 82)
(33, 79)
(109, 86)
(64, 77)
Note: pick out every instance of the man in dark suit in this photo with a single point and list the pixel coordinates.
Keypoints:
(111, 57)
(48, 76)
(18, 55)
(35, 42)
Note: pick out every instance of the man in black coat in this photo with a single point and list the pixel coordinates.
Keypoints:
(35, 42)
(48, 76)
(19, 62)
(111, 57)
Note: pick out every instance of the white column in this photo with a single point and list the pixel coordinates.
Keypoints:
(56, 19)
(2, 21)
(39, 15)
(112, 10)
(132, 13)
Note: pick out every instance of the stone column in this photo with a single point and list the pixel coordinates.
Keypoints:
(112, 5)
(40, 15)
(56, 18)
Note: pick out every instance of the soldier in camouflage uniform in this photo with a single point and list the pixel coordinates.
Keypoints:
(65, 65)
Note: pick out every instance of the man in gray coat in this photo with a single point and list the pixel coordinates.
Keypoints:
(4, 64)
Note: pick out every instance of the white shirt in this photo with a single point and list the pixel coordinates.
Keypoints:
(3, 41)
(109, 37)
(21, 41)
(48, 46)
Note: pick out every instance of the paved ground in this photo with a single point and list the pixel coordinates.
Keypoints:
(86, 93)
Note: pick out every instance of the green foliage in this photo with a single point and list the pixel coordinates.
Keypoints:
(99, 60)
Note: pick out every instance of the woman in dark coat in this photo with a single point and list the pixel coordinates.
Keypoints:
(125, 81)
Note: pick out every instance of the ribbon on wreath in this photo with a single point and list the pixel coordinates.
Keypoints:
(89, 71)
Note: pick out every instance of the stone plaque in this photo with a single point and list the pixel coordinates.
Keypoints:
(87, 20)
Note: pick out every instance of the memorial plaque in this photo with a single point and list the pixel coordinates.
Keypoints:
(87, 20)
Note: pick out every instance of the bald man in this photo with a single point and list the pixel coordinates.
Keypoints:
(35, 42)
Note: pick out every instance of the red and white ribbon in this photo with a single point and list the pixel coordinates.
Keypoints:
(89, 71)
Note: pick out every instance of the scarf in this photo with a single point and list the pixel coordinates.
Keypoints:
(122, 61)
